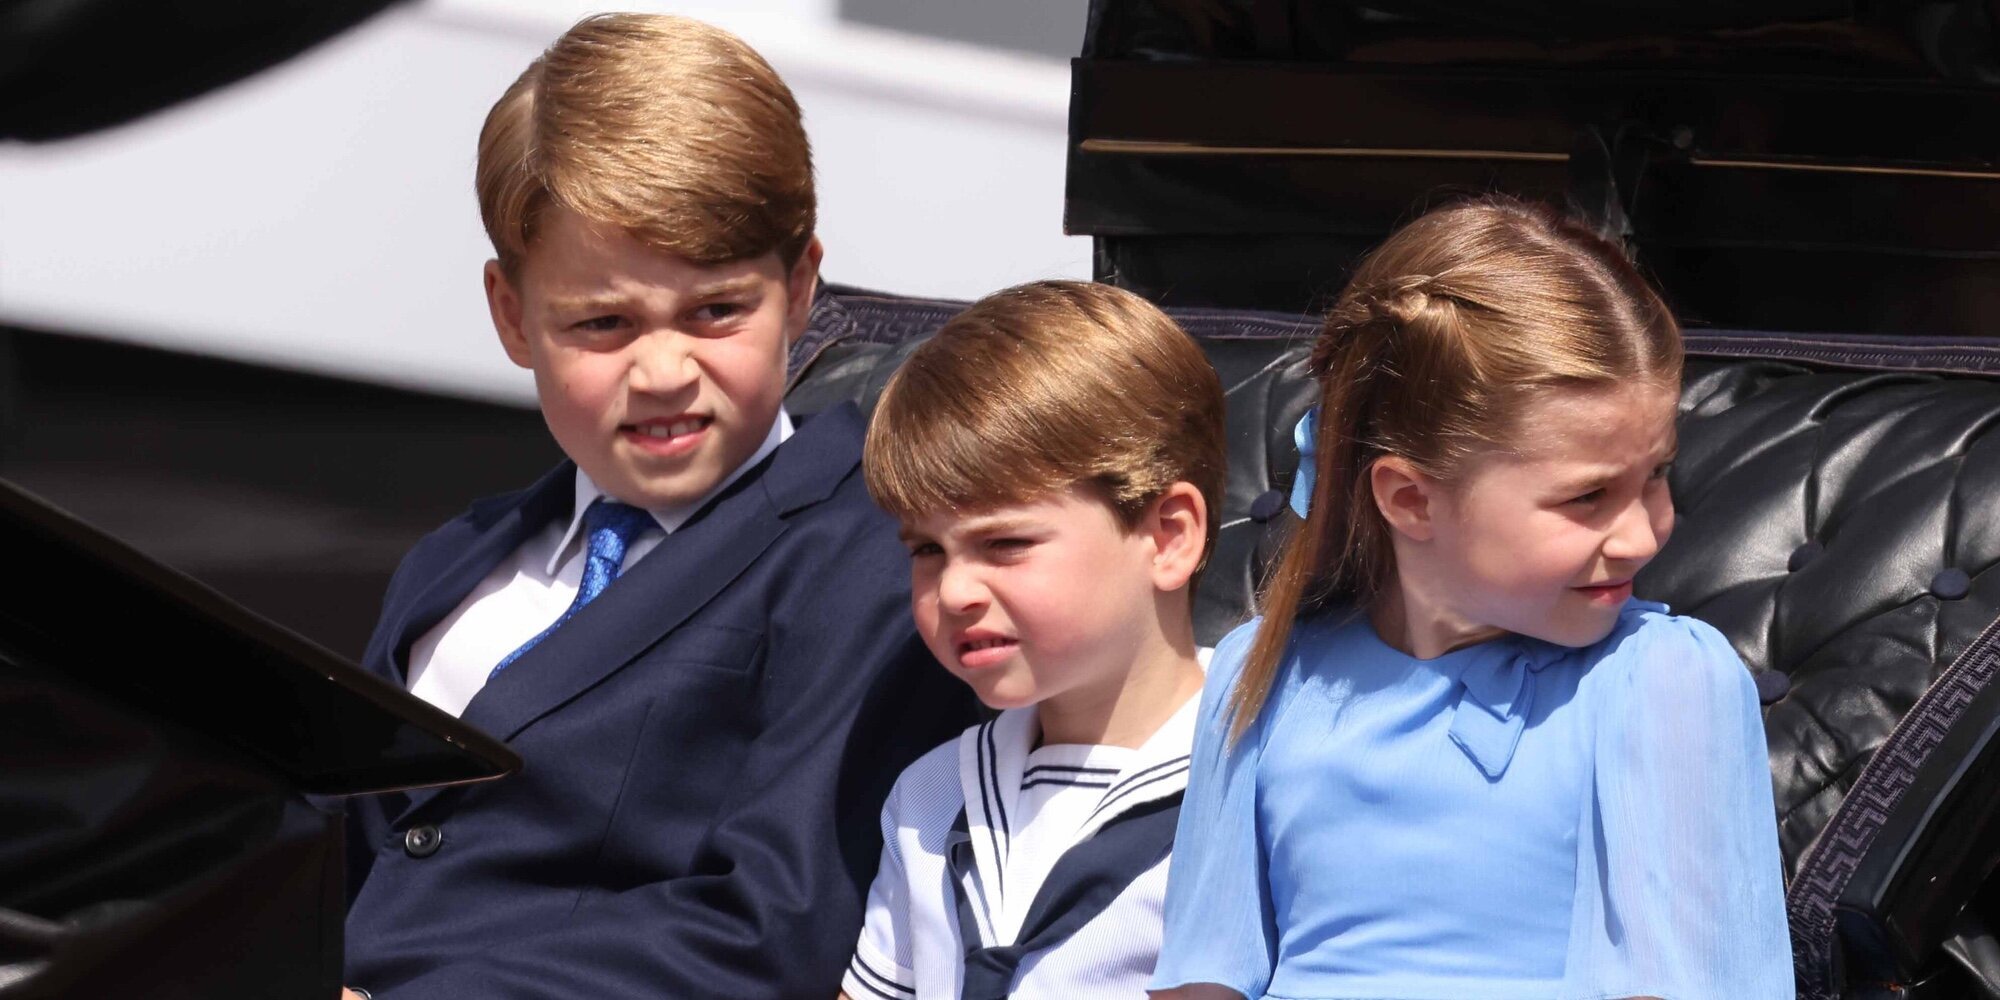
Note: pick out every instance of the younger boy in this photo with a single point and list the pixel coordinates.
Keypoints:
(1054, 455)
(693, 630)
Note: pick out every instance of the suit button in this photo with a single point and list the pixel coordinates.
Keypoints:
(422, 841)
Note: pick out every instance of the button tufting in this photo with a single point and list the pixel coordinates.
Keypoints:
(1267, 505)
(422, 841)
(1771, 686)
(1950, 584)
(1804, 554)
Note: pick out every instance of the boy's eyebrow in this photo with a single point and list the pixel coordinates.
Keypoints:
(587, 302)
(724, 286)
(976, 524)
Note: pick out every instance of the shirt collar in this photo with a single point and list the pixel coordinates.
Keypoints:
(672, 516)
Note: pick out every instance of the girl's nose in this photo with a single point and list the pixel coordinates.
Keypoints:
(1637, 534)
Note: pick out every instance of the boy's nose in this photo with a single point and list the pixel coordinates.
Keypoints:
(959, 589)
(662, 364)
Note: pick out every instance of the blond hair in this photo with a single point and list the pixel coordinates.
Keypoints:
(669, 128)
(1042, 387)
(1441, 337)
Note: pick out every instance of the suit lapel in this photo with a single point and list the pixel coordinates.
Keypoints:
(659, 592)
(550, 497)
(645, 603)
(686, 571)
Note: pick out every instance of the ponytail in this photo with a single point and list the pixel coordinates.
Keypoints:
(1444, 332)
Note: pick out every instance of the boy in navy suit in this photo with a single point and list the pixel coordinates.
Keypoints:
(693, 631)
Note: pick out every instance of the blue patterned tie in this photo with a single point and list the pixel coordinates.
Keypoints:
(609, 526)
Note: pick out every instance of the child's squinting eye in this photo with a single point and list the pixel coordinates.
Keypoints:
(1009, 544)
(714, 311)
(597, 324)
(921, 549)
(1586, 498)
(1660, 471)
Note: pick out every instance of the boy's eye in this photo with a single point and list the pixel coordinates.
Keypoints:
(598, 324)
(919, 550)
(1660, 471)
(1587, 498)
(715, 311)
(1009, 544)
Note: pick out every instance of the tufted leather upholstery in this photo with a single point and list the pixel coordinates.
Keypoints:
(1839, 510)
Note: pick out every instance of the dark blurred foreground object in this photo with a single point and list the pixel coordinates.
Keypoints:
(1788, 165)
(156, 744)
(74, 66)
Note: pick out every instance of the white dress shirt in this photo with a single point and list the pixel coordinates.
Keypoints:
(530, 589)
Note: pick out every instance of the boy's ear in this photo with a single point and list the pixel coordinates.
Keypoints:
(799, 287)
(1177, 520)
(504, 302)
(1403, 494)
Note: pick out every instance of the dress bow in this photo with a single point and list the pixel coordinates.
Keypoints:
(1492, 711)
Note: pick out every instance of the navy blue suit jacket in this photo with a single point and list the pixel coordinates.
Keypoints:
(707, 748)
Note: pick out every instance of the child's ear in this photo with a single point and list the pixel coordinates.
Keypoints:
(504, 302)
(1403, 494)
(799, 288)
(1177, 520)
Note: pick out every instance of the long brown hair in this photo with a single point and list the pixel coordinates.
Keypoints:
(1438, 340)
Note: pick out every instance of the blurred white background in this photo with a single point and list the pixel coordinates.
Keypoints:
(320, 216)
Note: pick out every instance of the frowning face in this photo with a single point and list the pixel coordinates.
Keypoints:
(657, 376)
(1029, 602)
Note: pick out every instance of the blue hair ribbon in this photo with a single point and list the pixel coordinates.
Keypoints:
(1306, 436)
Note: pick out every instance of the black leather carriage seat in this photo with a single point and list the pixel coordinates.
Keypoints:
(1839, 510)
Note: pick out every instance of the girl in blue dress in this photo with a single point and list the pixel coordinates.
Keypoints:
(1456, 760)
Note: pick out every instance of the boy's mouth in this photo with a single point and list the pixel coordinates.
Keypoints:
(985, 651)
(669, 435)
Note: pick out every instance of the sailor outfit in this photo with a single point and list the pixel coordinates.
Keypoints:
(1012, 870)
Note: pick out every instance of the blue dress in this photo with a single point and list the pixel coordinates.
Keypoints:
(1511, 820)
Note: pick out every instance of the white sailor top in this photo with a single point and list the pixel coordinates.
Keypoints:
(1014, 871)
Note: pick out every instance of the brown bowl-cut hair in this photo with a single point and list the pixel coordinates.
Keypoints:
(1433, 350)
(1043, 387)
(671, 129)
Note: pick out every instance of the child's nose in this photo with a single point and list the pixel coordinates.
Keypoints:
(959, 588)
(662, 363)
(1637, 533)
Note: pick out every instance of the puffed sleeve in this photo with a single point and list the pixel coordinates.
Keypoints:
(1219, 927)
(1681, 890)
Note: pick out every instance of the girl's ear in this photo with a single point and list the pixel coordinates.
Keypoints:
(1404, 495)
(1177, 523)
